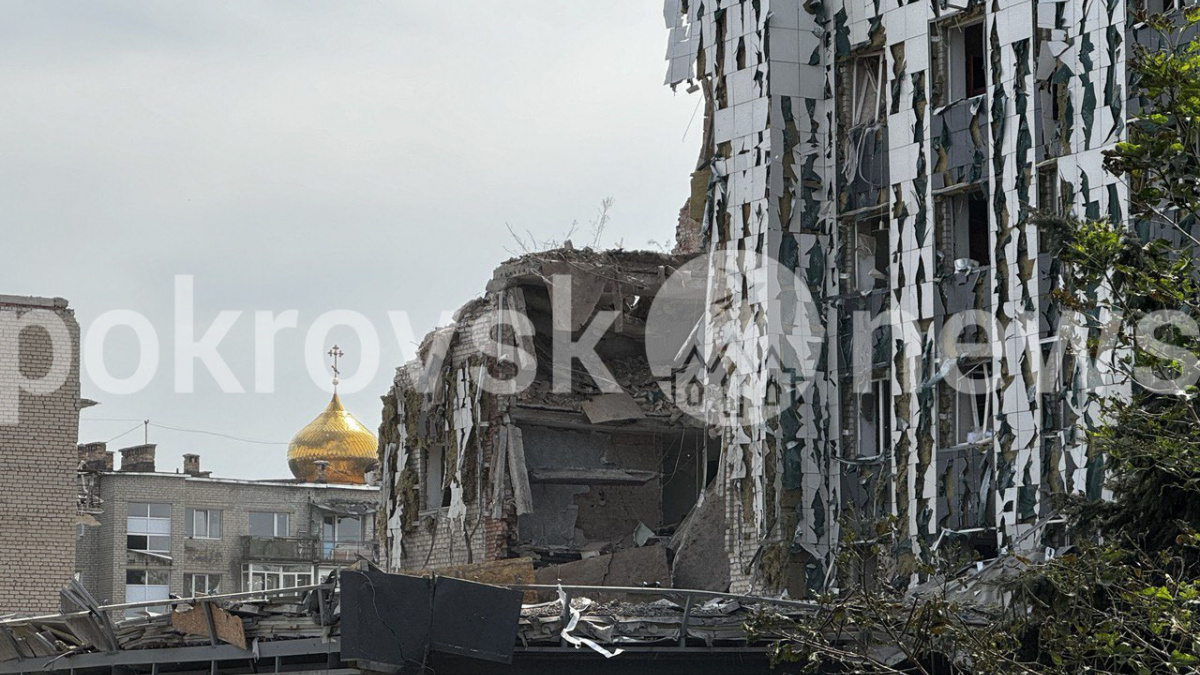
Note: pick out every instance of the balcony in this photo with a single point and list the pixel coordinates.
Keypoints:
(304, 549)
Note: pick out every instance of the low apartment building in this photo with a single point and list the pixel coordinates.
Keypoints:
(184, 533)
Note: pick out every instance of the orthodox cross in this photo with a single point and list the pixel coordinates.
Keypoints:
(336, 354)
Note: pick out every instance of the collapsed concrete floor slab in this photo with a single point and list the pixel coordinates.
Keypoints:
(495, 447)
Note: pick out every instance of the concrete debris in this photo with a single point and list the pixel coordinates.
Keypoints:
(702, 532)
(617, 407)
(642, 566)
(565, 465)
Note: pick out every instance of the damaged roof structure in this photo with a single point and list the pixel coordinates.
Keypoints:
(582, 470)
(364, 620)
(892, 156)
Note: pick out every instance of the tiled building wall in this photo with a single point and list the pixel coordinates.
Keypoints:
(764, 70)
(38, 433)
(779, 77)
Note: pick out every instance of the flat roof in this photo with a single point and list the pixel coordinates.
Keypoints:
(243, 481)
(33, 301)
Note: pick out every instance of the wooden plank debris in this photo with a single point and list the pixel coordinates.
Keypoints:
(229, 628)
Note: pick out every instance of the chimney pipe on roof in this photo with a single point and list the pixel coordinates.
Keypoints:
(191, 464)
(139, 458)
(93, 457)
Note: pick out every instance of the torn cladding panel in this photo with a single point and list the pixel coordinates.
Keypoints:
(893, 154)
(475, 473)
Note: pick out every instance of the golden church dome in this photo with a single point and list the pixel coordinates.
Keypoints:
(335, 436)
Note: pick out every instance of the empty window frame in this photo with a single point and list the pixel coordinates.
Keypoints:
(867, 80)
(202, 523)
(866, 256)
(1047, 177)
(968, 233)
(269, 524)
(342, 529)
(974, 70)
(874, 428)
(967, 419)
(1163, 6)
(147, 584)
(148, 527)
(437, 491)
(263, 577)
(963, 62)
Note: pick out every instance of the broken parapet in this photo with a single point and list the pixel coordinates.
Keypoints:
(473, 472)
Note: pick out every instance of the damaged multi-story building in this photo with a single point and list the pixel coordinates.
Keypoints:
(870, 174)
(894, 156)
(583, 466)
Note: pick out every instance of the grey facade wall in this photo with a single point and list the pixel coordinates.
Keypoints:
(37, 459)
(103, 559)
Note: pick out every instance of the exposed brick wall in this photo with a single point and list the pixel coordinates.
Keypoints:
(437, 544)
(38, 457)
(688, 231)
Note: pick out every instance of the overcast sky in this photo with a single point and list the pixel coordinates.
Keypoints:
(314, 157)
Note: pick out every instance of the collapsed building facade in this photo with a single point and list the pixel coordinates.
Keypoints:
(586, 479)
(880, 166)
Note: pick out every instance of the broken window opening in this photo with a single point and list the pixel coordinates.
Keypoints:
(867, 80)
(1163, 6)
(148, 527)
(865, 255)
(437, 489)
(967, 416)
(966, 231)
(973, 60)
(862, 127)
(874, 432)
(1048, 199)
(960, 58)
(267, 577)
(147, 584)
(201, 583)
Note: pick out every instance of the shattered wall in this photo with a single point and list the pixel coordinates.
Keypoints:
(485, 460)
(894, 155)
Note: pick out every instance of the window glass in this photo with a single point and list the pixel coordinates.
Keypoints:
(147, 584)
(268, 524)
(148, 527)
(203, 523)
(349, 528)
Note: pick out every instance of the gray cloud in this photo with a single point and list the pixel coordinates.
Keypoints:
(314, 156)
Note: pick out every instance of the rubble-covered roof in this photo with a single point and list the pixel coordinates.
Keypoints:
(251, 623)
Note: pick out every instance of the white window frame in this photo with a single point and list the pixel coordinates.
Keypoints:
(140, 522)
(138, 592)
(266, 576)
(337, 536)
(972, 415)
(203, 523)
(281, 523)
(211, 583)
